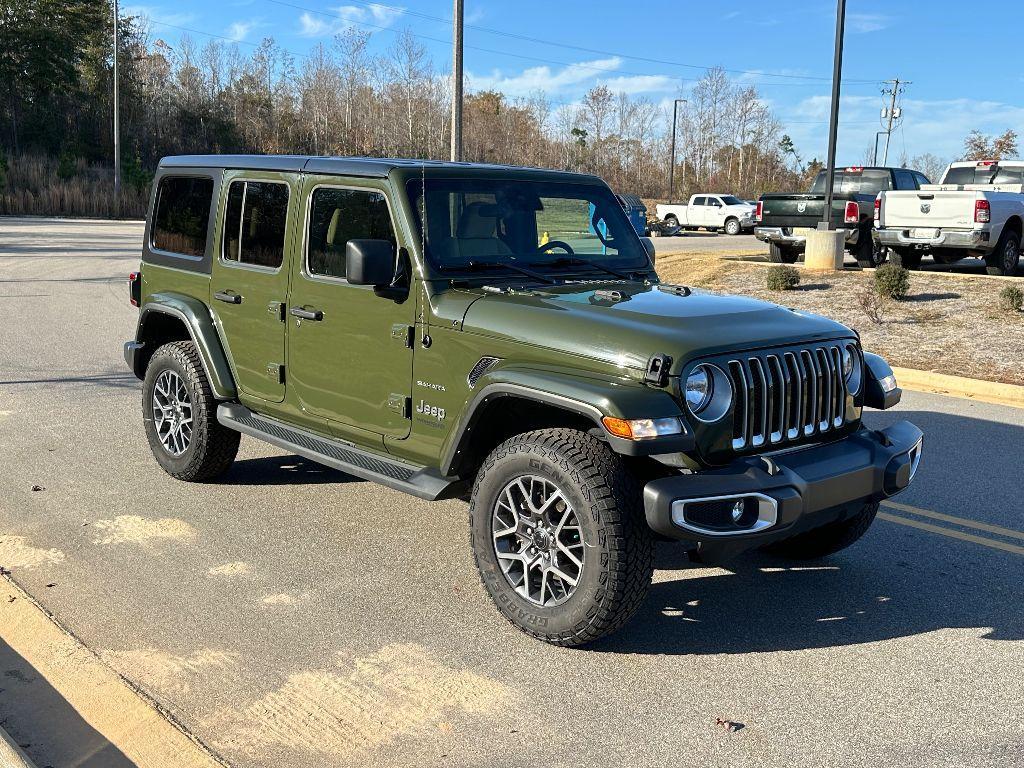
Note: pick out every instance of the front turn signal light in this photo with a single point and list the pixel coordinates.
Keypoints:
(642, 429)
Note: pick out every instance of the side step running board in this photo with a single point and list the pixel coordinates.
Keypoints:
(419, 481)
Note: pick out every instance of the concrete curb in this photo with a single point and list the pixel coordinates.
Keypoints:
(11, 755)
(959, 386)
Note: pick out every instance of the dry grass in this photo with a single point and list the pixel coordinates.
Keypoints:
(948, 325)
(34, 187)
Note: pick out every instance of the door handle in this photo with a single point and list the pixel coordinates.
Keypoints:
(228, 297)
(306, 314)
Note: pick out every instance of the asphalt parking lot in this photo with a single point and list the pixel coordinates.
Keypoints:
(290, 615)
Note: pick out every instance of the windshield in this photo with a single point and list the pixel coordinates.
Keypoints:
(730, 200)
(505, 222)
(983, 174)
(866, 182)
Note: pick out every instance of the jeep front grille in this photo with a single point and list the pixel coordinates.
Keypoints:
(782, 397)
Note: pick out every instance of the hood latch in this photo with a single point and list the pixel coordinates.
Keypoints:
(657, 370)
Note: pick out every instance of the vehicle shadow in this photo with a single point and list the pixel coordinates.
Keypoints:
(44, 724)
(121, 380)
(931, 297)
(282, 470)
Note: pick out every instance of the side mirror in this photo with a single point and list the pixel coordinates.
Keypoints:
(369, 262)
(648, 246)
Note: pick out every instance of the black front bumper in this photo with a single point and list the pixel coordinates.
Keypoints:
(797, 491)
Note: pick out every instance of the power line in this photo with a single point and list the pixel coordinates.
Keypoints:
(567, 46)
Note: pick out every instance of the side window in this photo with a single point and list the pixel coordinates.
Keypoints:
(182, 215)
(255, 223)
(700, 201)
(905, 180)
(714, 202)
(339, 215)
(921, 178)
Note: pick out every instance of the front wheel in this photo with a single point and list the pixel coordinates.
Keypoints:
(732, 227)
(828, 539)
(559, 536)
(781, 254)
(180, 414)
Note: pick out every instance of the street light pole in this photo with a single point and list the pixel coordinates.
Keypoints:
(457, 16)
(117, 123)
(833, 123)
(672, 163)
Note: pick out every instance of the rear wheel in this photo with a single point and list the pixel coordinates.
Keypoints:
(732, 226)
(828, 539)
(946, 255)
(781, 254)
(907, 258)
(671, 220)
(180, 415)
(559, 536)
(867, 252)
(1006, 256)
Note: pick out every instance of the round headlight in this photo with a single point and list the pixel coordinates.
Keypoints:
(852, 368)
(708, 392)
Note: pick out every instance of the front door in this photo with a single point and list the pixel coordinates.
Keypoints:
(249, 281)
(349, 350)
(713, 213)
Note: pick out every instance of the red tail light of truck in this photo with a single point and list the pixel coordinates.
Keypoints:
(982, 212)
(852, 212)
(759, 211)
(878, 208)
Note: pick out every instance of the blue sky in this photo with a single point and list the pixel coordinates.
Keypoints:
(961, 58)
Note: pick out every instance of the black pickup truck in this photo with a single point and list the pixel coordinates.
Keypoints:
(780, 215)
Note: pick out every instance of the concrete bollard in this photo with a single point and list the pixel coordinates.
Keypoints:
(825, 250)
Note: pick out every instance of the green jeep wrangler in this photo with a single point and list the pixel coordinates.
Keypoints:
(500, 335)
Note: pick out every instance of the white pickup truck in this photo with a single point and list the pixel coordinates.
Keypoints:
(711, 211)
(977, 209)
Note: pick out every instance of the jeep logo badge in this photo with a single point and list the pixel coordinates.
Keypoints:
(801, 207)
(926, 207)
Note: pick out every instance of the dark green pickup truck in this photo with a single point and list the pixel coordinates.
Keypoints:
(779, 216)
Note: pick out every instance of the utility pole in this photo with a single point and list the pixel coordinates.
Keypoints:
(457, 81)
(672, 163)
(117, 124)
(833, 123)
(894, 91)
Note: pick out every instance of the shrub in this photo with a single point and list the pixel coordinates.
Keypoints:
(783, 277)
(1011, 299)
(892, 281)
(871, 303)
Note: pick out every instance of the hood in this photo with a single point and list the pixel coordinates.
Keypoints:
(582, 319)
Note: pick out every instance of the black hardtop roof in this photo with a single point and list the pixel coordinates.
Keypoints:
(374, 167)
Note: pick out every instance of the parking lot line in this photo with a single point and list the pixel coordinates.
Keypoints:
(996, 529)
(991, 543)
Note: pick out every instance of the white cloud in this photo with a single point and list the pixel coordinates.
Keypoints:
(867, 22)
(159, 15)
(240, 30)
(346, 16)
(572, 77)
(637, 84)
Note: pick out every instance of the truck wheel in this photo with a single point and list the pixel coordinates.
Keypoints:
(828, 539)
(946, 255)
(180, 414)
(1005, 256)
(732, 226)
(780, 254)
(671, 220)
(907, 258)
(559, 537)
(868, 253)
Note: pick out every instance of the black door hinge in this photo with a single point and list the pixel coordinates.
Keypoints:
(657, 370)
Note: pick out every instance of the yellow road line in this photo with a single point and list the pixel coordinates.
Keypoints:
(991, 543)
(996, 529)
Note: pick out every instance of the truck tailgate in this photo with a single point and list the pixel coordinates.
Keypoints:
(928, 209)
(791, 210)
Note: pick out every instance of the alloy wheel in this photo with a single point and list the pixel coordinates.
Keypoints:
(172, 412)
(537, 540)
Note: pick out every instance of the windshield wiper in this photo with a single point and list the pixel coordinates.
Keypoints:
(475, 266)
(576, 261)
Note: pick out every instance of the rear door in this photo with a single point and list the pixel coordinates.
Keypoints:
(250, 277)
(695, 211)
(351, 362)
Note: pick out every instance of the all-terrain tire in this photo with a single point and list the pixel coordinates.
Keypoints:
(828, 539)
(212, 447)
(1005, 257)
(908, 258)
(732, 226)
(618, 554)
(781, 254)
